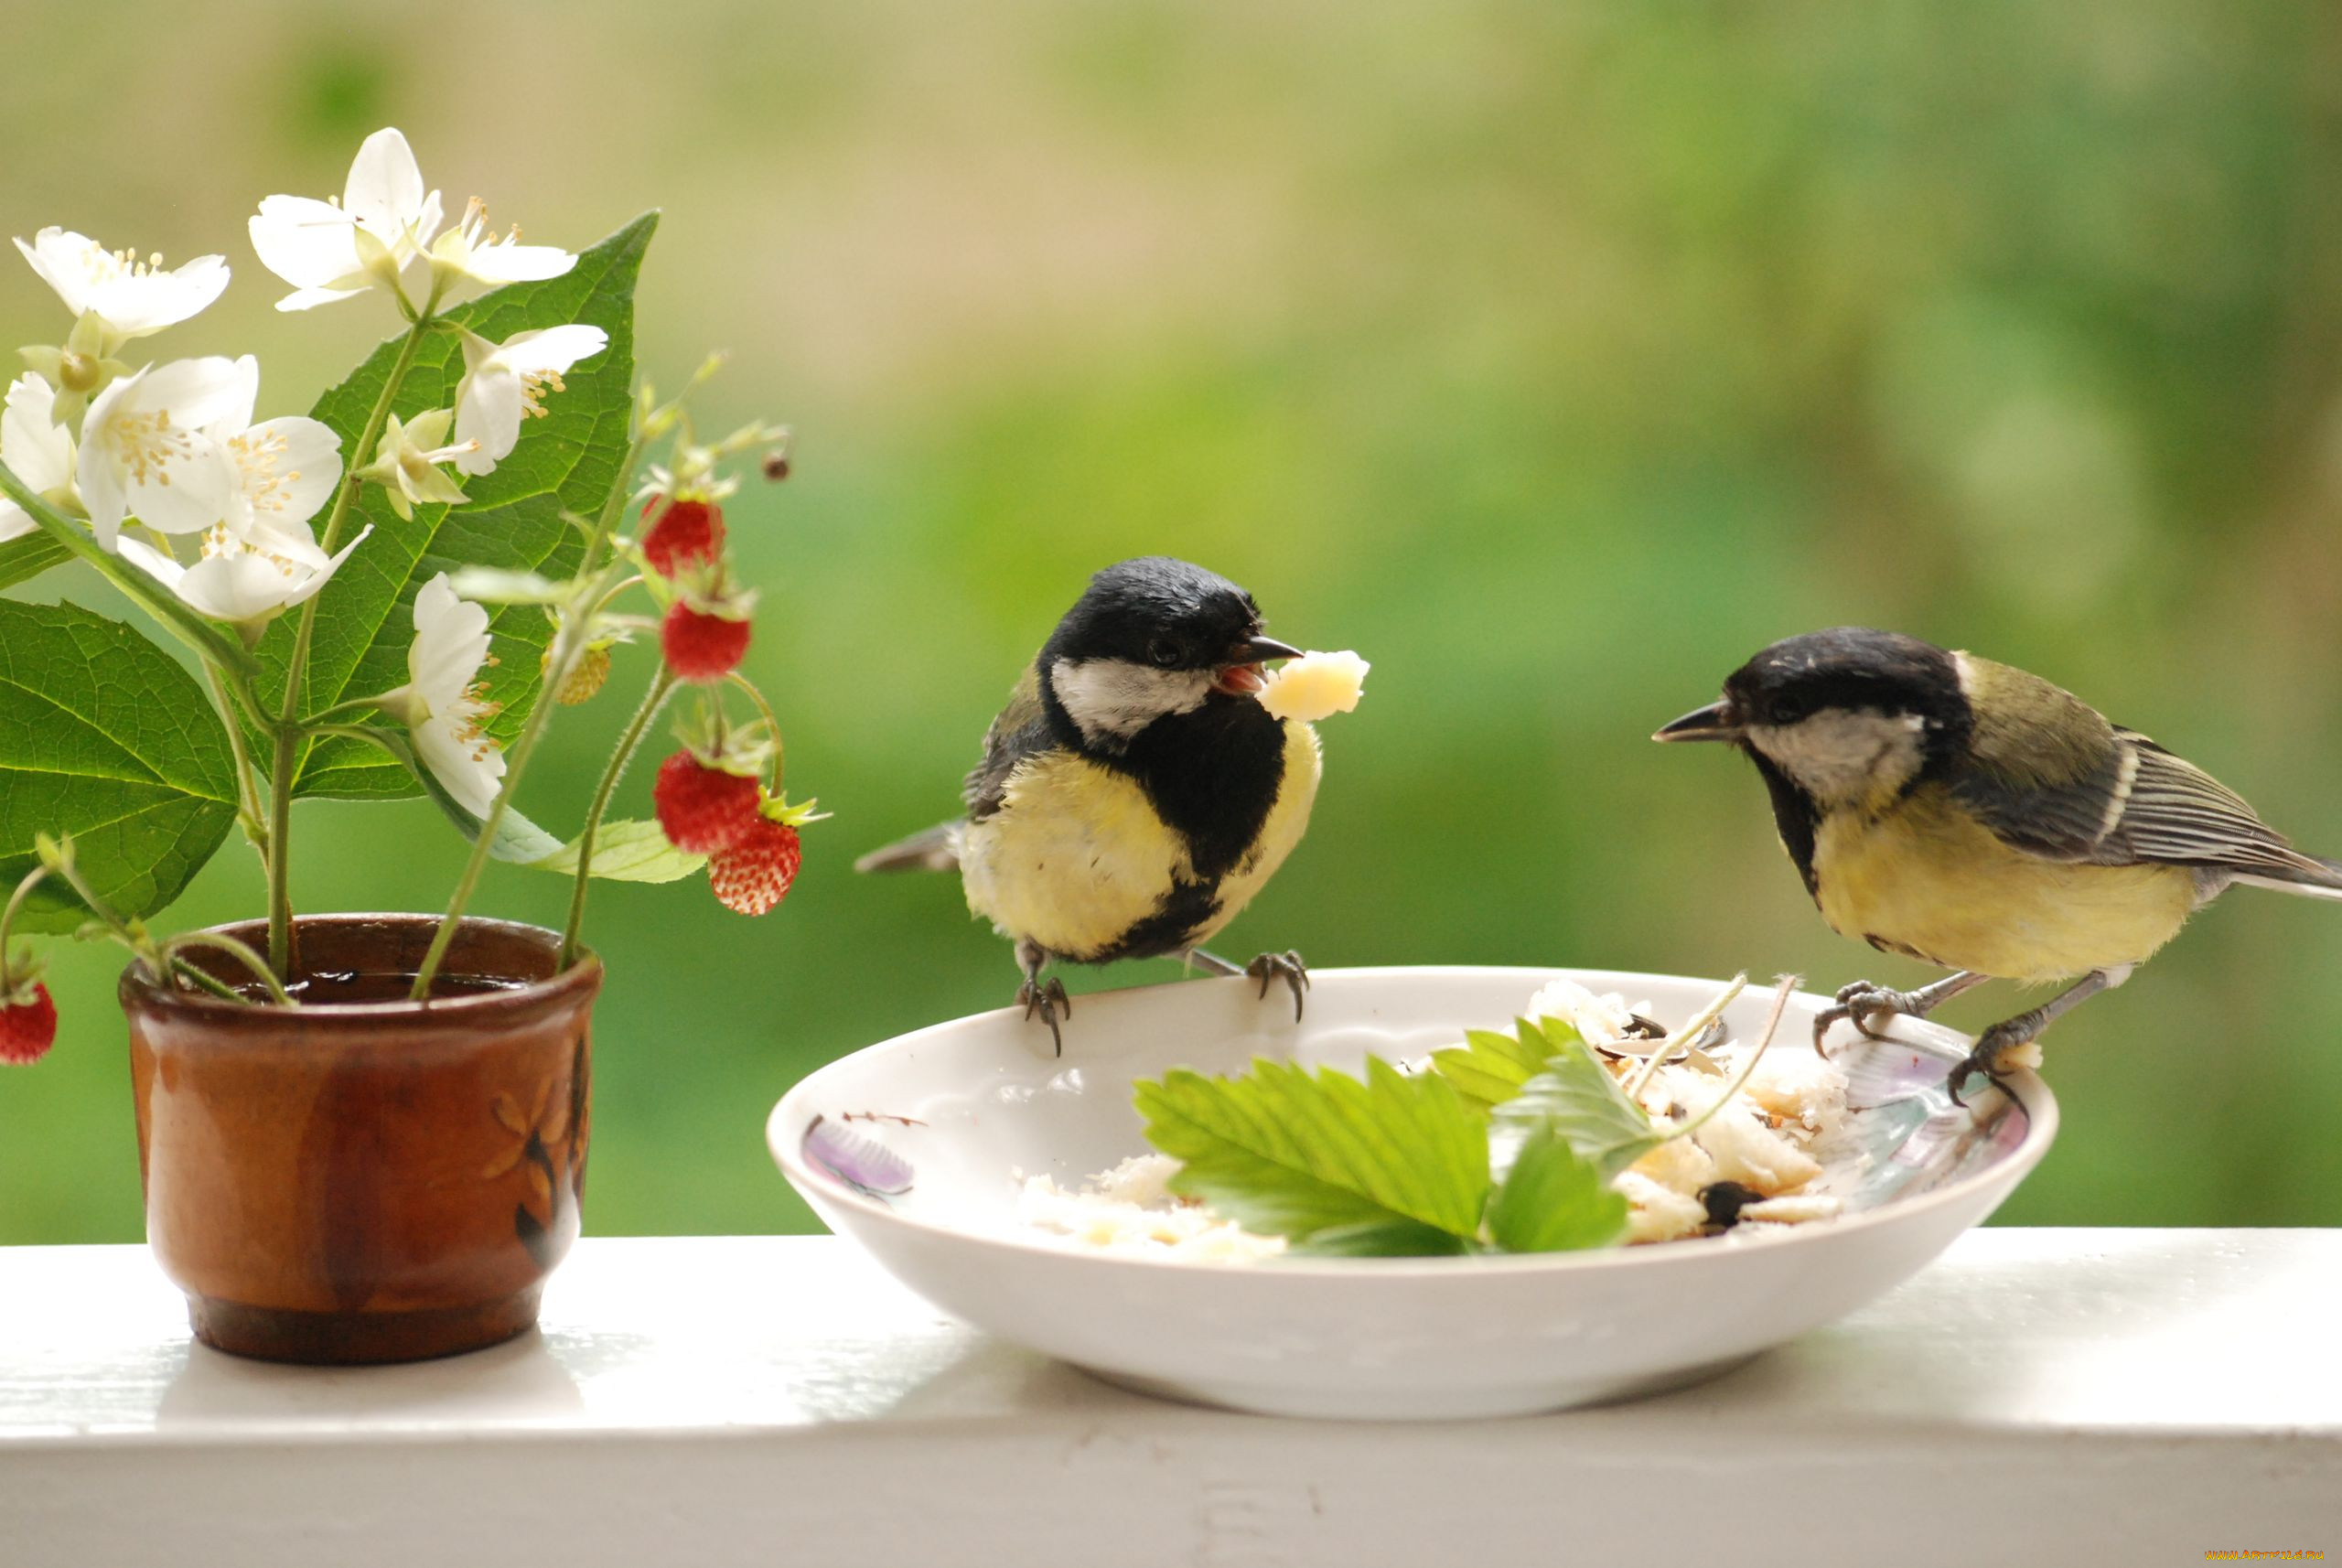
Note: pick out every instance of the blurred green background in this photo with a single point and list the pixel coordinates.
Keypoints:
(1554, 357)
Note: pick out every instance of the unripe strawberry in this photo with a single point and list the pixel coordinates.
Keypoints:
(699, 646)
(689, 531)
(700, 809)
(28, 1026)
(754, 875)
(585, 676)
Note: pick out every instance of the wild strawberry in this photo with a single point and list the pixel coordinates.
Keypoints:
(754, 875)
(702, 809)
(689, 529)
(585, 676)
(28, 1024)
(701, 645)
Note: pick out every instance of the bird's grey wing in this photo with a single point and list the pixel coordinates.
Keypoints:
(1017, 732)
(2135, 804)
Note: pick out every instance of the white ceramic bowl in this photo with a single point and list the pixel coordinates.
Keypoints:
(966, 1107)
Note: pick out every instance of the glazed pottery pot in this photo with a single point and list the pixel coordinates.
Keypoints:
(366, 1178)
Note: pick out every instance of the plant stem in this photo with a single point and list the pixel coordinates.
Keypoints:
(8, 918)
(216, 646)
(574, 631)
(288, 726)
(235, 949)
(247, 787)
(203, 979)
(772, 724)
(653, 701)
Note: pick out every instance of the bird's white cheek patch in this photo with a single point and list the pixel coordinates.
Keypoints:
(1110, 700)
(1837, 754)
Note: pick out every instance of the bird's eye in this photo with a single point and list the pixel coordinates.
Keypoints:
(1164, 651)
(1792, 710)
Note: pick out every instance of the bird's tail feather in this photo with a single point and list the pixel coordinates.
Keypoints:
(938, 849)
(2322, 878)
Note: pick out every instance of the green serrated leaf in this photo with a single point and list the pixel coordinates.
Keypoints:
(1286, 1153)
(105, 737)
(1577, 1096)
(627, 851)
(27, 556)
(512, 519)
(1490, 1067)
(1552, 1200)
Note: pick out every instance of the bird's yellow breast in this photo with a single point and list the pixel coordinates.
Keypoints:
(1077, 855)
(1928, 879)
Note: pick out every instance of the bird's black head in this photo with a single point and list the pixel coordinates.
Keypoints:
(1152, 639)
(1844, 714)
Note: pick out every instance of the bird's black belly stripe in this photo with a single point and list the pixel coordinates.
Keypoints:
(1171, 928)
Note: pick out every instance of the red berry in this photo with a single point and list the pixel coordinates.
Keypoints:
(701, 646)
(688, 531)
(754, 875)
(28, 1029)
(702, 808)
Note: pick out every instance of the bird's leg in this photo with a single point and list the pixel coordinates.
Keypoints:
(1269, 967)
(1046, 998)
(2009, 1044)
(1862, 1001)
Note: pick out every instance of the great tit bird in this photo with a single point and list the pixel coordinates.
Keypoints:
(1134, 795)
(1979, 818)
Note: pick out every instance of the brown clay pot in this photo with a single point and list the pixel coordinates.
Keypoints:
(366, 1178)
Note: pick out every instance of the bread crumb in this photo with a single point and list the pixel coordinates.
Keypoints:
(1314, 685)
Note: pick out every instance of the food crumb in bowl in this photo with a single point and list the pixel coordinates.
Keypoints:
(1132, 1211)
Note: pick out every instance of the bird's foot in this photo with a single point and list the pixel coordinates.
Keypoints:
(1285, 966)
(1860, 1002)
(2000, 1050)
(1048, 1000)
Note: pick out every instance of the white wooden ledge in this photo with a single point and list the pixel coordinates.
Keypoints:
(2067, 1397)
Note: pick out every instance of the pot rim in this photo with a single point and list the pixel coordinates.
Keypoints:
(579, 983)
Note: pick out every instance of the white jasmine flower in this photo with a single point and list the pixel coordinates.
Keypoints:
(506, 383)
(36, 449)
(144, 451)
(459, 253)
(286, 469)
(131, 297)
(329, 251)
(241, 583)
(406, 462)
(444, 704)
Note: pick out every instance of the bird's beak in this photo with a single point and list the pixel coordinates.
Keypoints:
(1240, 676)
(1714, 721)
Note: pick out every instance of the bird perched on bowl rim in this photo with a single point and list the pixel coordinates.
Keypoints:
(1979, 818)
(1134, 795)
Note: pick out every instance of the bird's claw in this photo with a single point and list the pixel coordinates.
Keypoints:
(1857, 1003)
(1998, 1050)
(1285, 966)
(1048, 999)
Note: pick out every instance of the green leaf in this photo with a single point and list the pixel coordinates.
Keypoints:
(27, 557)
(512, 520)
(105, 737)
(1489, 1066)
(627, 852)
(1391, 1165)
(1552, 1200)
(1578, 1098)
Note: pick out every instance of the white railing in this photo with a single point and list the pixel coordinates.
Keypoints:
(2066, 1397)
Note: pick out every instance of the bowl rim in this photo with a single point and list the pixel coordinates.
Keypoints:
(2032, 1096)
